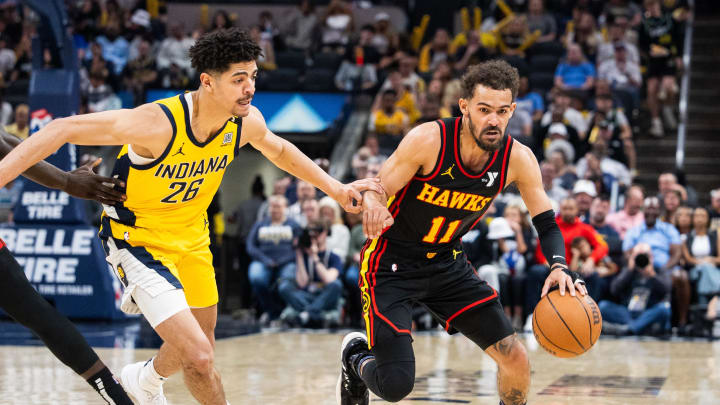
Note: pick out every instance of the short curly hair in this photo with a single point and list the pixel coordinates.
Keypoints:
(496, 74)
(215, 51)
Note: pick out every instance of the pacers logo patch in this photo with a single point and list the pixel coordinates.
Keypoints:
(121, 274)
(227, 138)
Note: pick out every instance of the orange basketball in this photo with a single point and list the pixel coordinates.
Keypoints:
(566, 326)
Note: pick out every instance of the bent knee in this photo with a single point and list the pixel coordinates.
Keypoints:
(198, 358)
(396, 383)
(514, 356)
(395, 389)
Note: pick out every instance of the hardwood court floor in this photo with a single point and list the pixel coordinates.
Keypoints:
(301, 369)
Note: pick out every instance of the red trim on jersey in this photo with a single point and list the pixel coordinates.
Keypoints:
(399, 200)
(504, 165)
(473, 269)
(2, 244)
(459, 163)
(374, 264)
(368, 276)
(438, 165)
(502, 177)
(396, 202)
(474, 304)
(372, 289)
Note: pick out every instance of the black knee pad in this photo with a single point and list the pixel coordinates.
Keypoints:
(392, 375)
(396, 380)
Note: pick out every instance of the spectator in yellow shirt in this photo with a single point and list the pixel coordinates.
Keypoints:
(405, 98)
(389, 122)
(20, 127)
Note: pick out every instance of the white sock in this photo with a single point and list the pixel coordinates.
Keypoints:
(150, 380)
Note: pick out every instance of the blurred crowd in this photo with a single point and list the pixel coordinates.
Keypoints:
(593, 73)
(644, 263)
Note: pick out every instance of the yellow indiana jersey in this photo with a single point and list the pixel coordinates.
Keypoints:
(167, 197)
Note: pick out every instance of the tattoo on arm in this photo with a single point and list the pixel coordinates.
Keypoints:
(513, 397)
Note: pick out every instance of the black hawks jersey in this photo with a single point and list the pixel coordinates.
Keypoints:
(433, 212)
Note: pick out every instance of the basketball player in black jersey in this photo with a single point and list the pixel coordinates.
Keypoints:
(438, 184)
(20, 300)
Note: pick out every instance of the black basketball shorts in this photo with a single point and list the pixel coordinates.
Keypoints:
(393, 280)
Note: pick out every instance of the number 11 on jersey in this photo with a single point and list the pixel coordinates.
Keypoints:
(437, 224)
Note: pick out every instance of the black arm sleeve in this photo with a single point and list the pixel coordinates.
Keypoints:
(551, 241)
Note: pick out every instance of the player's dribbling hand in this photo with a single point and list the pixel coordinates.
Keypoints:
(563, 281)
(376, 218)
(84, 183)
(350, 196)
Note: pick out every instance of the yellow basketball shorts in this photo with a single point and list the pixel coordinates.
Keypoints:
(158, 269)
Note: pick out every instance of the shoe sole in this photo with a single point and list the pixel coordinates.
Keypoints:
(346, 340)
(338, 389)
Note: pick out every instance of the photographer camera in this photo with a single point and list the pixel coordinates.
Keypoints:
(641, 296)
(316, 288)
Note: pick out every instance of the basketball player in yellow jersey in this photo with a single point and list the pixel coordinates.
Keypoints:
(176, 151)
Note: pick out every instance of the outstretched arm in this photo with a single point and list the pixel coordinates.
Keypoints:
(288, 157)
(525, 172)
(417, 152)
(146, 126)
(80, 183)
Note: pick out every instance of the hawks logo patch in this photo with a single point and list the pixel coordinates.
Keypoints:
(365, 302)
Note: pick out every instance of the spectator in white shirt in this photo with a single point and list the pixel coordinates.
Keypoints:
(622, 74)
(617, 34)
(305, 191)
(174, 49)
(412, 81)
(620, 71)
(338, 240)
(552, 188)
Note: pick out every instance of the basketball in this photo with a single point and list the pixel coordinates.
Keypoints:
(566, 326)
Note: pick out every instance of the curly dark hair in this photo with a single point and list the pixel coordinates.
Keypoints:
(215, 51)
(495, 74)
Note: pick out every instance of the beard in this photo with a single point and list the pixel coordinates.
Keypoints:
(477, 136)
(599, 218)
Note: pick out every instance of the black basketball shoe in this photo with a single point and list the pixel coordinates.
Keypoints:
(351, 389)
